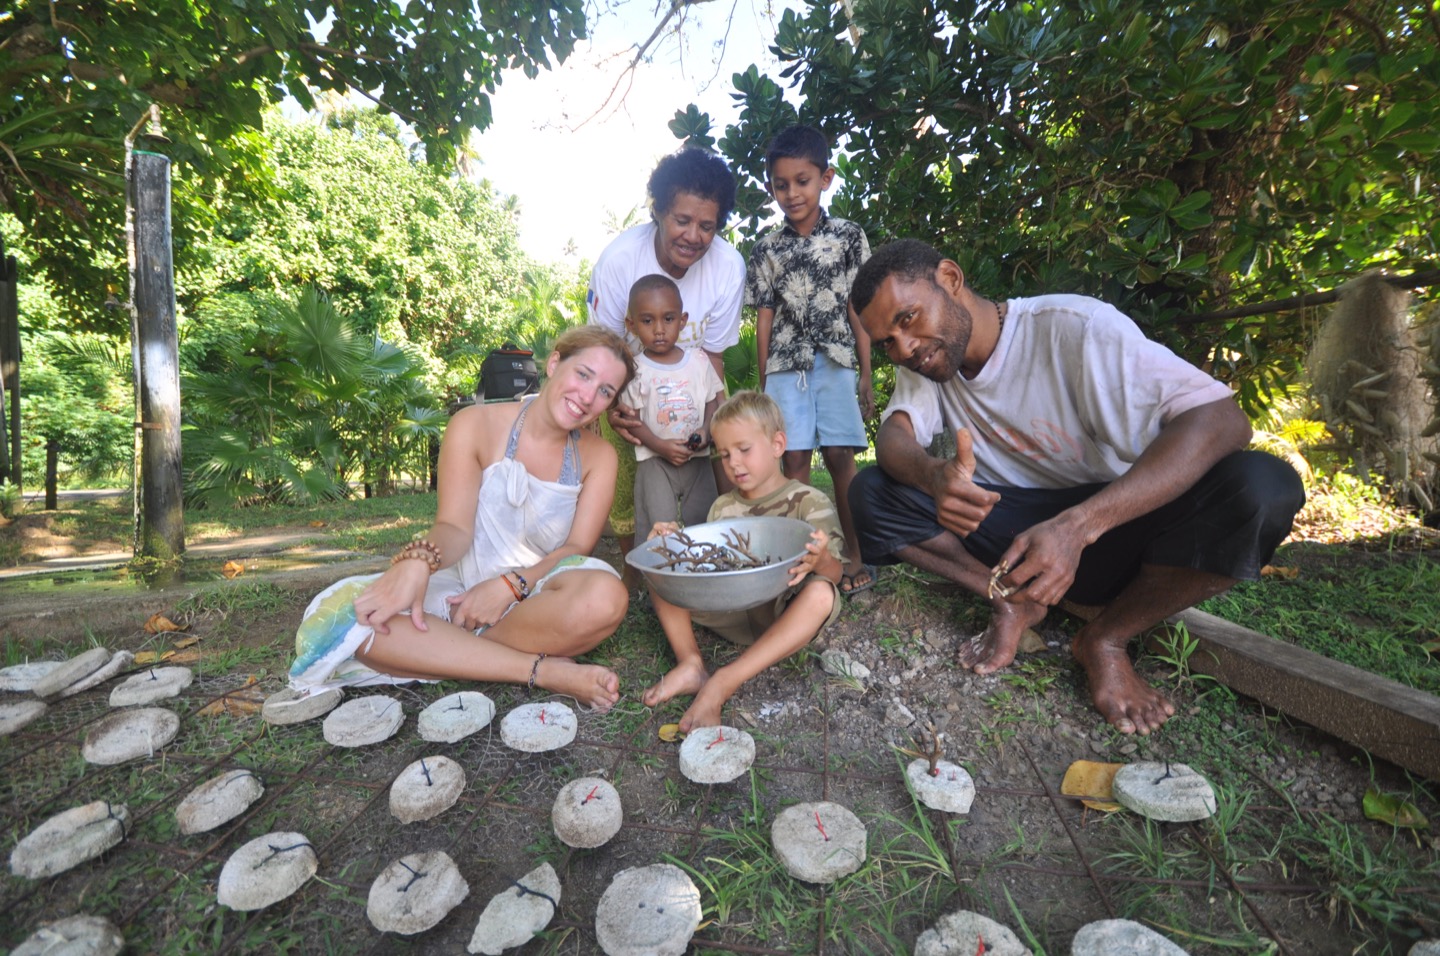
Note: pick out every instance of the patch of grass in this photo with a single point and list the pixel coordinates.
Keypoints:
(1374, 611)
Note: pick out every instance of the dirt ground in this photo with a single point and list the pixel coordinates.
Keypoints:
(1022, 855)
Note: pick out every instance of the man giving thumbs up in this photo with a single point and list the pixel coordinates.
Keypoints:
(1091, 464)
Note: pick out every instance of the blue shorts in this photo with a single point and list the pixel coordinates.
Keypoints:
(820, 406)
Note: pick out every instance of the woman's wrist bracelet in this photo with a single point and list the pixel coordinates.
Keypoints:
(524, 585)
(511, 585)
(421, 550)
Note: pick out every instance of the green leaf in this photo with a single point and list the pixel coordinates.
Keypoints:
(1392, 809)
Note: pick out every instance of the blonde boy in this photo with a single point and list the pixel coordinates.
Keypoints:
(749, 433)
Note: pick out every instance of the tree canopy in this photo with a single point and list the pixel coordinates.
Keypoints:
(78, 75)
(1169, 157)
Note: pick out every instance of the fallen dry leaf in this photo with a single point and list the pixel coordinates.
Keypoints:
(1030, 642)
(670, 733)
(1091, 779)
(153, 657)
(159, 623)
(1284, 573)
(185, 642)
(188, 656)
(238, 703)
(317, 524)
(232, 569)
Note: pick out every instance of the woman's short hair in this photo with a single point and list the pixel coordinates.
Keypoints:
(582, 337)
(755, 407)
(698, 172)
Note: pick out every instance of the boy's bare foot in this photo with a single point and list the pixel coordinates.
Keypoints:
(994, 649)
(590, 684)
(704, 712)
(686, 677)
(1127, 702)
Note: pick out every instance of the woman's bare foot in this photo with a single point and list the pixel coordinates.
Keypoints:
(704, 712)
(1127, 702)
(988, 652)
(686, 677)
(590, 684)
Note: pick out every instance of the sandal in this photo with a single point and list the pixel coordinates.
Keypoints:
(847, 581)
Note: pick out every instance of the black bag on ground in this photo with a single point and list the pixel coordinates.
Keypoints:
(507, 372)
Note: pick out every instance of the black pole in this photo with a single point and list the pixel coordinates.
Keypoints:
(52, 474)
(10, 361)
(162, 515)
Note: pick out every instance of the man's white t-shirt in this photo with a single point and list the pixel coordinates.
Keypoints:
(711, 290)
(1072, 394)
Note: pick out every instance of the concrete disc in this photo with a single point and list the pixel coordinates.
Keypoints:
(818, 842)
(515, 914)
(100, 675)
(217, 801)
(587, 813)
(536, 728)
(128, 734)
(1109, 936)
(22, 678)
(289, 707)
(1170, 792)
(148, 686)
(426, 788)
(364, 721)
(266, 870)
(69, 838)
(415, 892)
(716, 754)
(456, 716)
(964, 932)
(68, 672)
(16, 714)
(73, 936)
(949, 789)
(648, 911)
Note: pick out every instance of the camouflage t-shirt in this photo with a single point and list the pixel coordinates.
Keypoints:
(794, 499)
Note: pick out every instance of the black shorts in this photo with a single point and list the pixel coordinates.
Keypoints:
(1229, 523)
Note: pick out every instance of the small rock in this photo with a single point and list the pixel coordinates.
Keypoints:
(1099, 746)
(1128, 749)
(716, 754)
(266, 870)
(109, 669)
(515, 914)
(68, 672)
(456, 716)
(818, 842)
(1110, 936)
(148, 686)
(840, 664)
(894, 680)
(415, 892)
(130, 734)
(587, 813)
(290, 706)
(364, 721)
(1170, 792)
(964, 932)
(217, 801)
(1030, 642)
(1426, 947)
(22, 678)
(537, 728)
(949, 789)
(648, 911)
(898, 715)
(73, 936)
(426, 788)
(16, 714)
(69, 838)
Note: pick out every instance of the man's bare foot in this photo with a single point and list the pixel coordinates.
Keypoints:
(994, 649)
(686, 677)
(590, 684)
(1127, 702)
(704, 712)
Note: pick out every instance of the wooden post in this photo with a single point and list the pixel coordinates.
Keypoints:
(161, 532)
(52, 474)
(9, 367)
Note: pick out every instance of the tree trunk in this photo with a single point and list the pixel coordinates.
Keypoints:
(52, 474)
(157, 376)
(10, 365)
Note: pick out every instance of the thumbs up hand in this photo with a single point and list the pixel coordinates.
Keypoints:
(960, 504)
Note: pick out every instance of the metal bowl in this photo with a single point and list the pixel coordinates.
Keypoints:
(780, 540)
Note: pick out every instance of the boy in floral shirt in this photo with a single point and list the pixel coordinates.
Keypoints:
(810, 343)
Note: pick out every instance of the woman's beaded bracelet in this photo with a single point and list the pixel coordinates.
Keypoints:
(511, 585)
(524, 585)
(420, 549)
